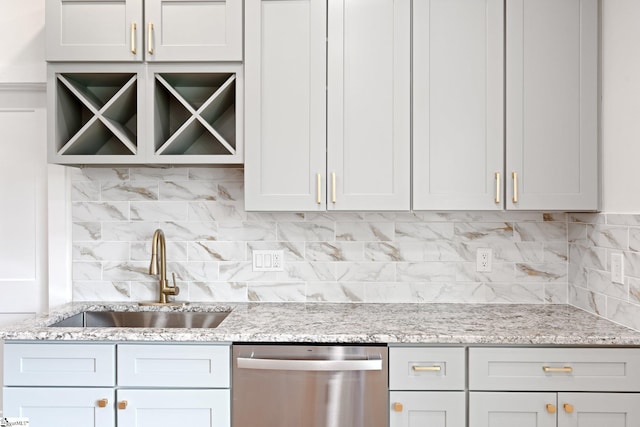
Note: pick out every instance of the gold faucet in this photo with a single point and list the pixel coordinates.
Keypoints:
(160, 263)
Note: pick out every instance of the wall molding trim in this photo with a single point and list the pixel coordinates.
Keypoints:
(23, 87)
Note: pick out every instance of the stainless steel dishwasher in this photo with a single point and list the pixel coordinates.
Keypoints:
(309, 386)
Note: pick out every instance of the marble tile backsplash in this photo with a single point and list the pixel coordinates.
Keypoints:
(593, 238)
(328, 256)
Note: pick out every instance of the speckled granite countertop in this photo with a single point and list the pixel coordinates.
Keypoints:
(353, 323)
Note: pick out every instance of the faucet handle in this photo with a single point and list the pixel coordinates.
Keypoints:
(177, 289)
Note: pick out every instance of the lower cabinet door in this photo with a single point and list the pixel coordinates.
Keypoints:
(61, 407)
(598, 410)
(433, 409)
(170, 408)
(513, 409)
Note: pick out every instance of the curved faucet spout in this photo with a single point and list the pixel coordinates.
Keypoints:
(159, 266)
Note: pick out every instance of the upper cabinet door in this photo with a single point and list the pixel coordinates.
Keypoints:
(193, 30)
(285, 79)
(458, 104)
(94, 30)
(552, 104)
(368, 107)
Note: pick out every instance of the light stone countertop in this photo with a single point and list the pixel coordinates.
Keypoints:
(498, 324)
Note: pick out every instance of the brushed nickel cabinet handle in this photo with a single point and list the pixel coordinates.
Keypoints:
(150, 38)
(515, 186)
(134, 27)
(497, 187)
(318, 189)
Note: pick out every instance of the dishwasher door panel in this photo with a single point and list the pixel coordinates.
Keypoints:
(310, 386)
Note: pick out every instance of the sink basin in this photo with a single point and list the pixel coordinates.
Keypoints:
(143, 319)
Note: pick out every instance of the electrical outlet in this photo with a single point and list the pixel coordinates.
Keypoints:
(267, 260)
(617, 268)
(483, 259)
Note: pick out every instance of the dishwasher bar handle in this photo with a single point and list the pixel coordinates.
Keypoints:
(373, 364)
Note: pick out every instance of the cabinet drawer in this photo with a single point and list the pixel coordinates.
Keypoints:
(45, 364)
(425, 368)
(173, 365)
(557, 369)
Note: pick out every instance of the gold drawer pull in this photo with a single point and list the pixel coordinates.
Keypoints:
(568, 408)
(134, 26)
(319, 188)
(150, 38)
(333, 187)
(123, 404)
(497, 199)
(514, 175)
(397, 406)
(551, 408)
(566, 369)
(434, 368)
(102, 403)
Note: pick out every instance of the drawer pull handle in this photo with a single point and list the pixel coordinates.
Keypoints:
(319, 188)
(514, 175)
(102, 403)
(434, 368)
(133, 37)
(123, 404)
(397, 406)
(333, 187)
(568, 408)
(551, 408)
(566, 369)
(150, 38)
(497, 199)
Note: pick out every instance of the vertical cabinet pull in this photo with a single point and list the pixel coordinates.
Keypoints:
(102, 403)
(319, 189)
(134, 26)
(150, 38)
(122, 404)
(333, 187)
(514, 175)
(551, 408)
(497, 187)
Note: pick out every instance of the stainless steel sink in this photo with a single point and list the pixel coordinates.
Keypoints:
(143, 319)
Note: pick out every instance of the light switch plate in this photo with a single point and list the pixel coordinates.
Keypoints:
(267, 260)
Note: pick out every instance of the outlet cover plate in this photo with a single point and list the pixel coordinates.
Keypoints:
(617, 268)
(483, 260)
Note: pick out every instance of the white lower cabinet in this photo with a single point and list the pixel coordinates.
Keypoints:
(554, 409)
(554, 387)
(427, 408)
(61, 407)
(427, 387)
(70, 384)
(170, 408)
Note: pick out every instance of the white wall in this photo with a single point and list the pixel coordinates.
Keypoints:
(22, 41)
(621, 105)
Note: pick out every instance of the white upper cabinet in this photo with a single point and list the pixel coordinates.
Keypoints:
(114, 30)
(193, 30)
(368, 104)
(285, 79)
(317, 141)
(552, 104)
(458, 104)
(543, 143)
